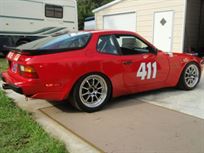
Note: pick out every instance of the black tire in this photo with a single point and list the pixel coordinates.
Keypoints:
(184, 82)
(78, 100)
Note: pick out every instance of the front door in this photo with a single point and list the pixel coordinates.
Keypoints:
(163, 26)
(142, 68)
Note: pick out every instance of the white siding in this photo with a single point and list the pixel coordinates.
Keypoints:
(145, 10)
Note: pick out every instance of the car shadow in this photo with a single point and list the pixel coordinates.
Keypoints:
(115, 103)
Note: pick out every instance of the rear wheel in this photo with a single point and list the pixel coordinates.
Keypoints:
(190, 77)
(91, 92)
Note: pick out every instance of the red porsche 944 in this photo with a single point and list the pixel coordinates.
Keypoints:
(88, 68)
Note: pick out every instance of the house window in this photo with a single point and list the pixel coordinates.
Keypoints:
(53, 11)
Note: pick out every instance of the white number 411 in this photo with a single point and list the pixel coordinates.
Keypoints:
(145, 71)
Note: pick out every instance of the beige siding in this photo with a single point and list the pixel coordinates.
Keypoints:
(145, 10)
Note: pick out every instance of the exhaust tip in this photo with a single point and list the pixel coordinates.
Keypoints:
(5, 86)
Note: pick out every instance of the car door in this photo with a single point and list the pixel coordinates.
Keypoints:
(142, 68)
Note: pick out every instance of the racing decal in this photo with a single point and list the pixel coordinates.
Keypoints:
(16, 57)
(147, 71)
(10, 55)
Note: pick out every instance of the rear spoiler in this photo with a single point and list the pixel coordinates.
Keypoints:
(16, 50)
(39, 51)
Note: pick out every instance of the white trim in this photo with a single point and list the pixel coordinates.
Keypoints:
(106, 5)
(184, 25)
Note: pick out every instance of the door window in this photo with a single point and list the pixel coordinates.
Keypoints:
(130, 45)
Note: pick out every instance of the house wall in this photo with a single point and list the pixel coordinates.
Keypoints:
(145, 10)
(192, 30)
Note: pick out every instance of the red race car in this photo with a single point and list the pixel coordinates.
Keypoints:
(88, 68)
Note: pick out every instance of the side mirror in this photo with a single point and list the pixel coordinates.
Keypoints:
(153, 50)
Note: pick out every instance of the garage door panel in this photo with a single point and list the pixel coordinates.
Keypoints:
(126, 21)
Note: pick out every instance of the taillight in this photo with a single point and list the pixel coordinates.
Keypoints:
(27, 72)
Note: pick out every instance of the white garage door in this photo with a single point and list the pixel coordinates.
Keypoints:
(124, 21)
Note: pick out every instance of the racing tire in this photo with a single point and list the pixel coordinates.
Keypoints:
(91, 92)
(190, 77)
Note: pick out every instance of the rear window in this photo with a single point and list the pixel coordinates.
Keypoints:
(65, 41)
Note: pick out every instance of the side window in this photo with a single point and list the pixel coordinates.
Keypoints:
(131, 45)
(106, 45)
(53, 11)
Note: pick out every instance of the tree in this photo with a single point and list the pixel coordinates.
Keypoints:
(85, 8)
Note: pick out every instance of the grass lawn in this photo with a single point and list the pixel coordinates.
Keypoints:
(3, 64)
(19, 133)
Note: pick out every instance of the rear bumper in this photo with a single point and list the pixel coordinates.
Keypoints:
(6, 86)
(12, 87)
(30, 88)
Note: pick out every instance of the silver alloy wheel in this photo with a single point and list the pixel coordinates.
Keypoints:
(191, 75)
(93, 91)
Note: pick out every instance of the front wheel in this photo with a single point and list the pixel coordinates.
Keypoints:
(91, 92)
(190, 77)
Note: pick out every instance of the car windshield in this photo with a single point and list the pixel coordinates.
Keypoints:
(65, 41)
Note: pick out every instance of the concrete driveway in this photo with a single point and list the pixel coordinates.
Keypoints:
(188, 102)
(134, 123)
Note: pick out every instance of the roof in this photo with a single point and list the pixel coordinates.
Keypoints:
(106, 6)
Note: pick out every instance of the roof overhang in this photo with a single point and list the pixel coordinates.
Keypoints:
(106, 6)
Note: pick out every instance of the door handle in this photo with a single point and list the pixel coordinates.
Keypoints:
(146, 56)
(127, 62)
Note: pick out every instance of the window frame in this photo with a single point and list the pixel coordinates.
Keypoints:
(54, 11)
